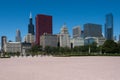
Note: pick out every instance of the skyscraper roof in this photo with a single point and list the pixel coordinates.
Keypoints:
(30, 15)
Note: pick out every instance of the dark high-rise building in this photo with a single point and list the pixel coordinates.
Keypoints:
(31, 26)
(109, 27)
(18, 36)
(43, 25)
(92, 30)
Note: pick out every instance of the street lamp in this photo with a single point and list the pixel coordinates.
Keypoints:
(89, 49)
(100, 49)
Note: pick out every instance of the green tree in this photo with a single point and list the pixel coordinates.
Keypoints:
(76, 49)
(110, 47)
(119, 47)
(36, 48)
(61, 51)
(55, 50)
(85, 48)
(93, 47)
(48, 50)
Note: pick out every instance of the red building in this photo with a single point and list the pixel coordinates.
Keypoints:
(43, 25)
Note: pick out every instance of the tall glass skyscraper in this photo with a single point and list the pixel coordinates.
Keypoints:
(109, 27)
(31, 26)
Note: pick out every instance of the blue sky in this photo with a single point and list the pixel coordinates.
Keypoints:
(14, 14)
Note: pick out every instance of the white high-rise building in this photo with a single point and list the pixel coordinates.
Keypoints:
(76, 32)
(18, 36)
(64, 37)
(29, 38)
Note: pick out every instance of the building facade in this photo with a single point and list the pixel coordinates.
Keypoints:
(77, 42)
(82, 34)
(48, 40)
(18, 36)
(13, 47)
(98, 40)
(64, 37)
(25, 48)
(29, 38)
(76, 32)
(31, 26)
(3, 43)
(43, 25)
(92, 30)
(109, 27)
(101, 41)
(91, 40)
(119, 39)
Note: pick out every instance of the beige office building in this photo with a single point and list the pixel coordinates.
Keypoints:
(48, 40)
(29, 38)
(77, 42)
(13, 47)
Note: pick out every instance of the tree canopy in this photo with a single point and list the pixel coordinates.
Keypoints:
(110, 47)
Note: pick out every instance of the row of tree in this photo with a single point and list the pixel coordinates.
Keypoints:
(109, 47)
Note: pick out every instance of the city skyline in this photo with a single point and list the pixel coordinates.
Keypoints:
(15, 14)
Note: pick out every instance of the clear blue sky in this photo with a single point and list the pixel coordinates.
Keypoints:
(14, 14)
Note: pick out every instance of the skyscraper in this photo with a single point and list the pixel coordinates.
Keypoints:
(18, 36)
(109, 27)
(3, 43)
(64, 37)
(92, 30)
(30, 37)
(31, 26)
(76, 32)
(43, 25)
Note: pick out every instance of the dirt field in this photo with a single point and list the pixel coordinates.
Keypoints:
(60, 68)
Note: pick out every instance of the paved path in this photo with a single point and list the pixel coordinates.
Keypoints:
(60, 68)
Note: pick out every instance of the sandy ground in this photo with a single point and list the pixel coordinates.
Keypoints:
(60, 68)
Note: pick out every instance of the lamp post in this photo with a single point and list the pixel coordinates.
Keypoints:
(89, 49)
(100, 49)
